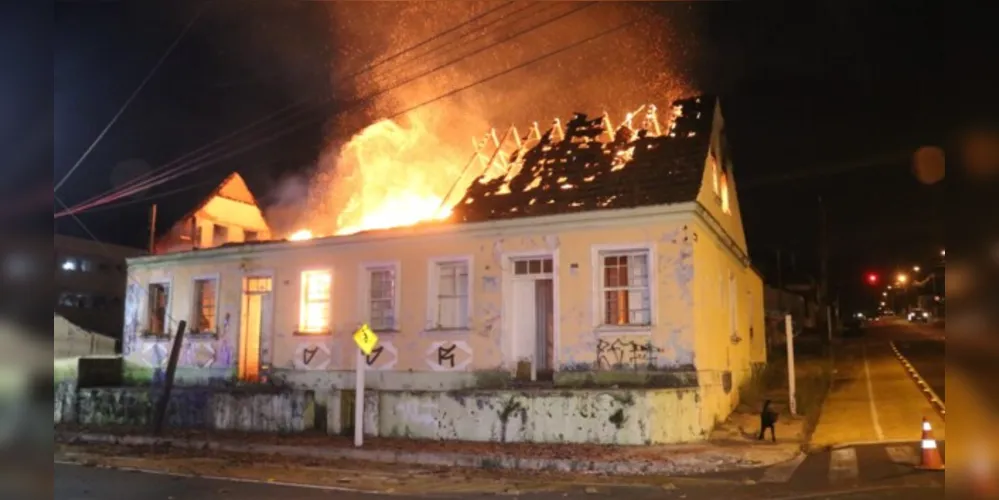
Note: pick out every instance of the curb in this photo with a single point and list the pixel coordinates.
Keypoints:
(935, 400)
(631, 468)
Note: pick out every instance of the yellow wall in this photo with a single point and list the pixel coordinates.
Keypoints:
(483, 346)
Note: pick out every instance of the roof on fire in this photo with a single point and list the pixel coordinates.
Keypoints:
(575, 174)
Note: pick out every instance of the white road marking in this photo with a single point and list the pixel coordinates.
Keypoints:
(870, 398)
(843, 465)
(902, 455)
(218, 478)
(782, 472)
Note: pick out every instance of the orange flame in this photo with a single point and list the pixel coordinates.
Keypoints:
(301, 235)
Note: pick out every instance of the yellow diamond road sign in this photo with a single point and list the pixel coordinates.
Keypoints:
(366, 339)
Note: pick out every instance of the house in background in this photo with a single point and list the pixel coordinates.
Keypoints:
(90, 283)
(593, 263)
(229, 214)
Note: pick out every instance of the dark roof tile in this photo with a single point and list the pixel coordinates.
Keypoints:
(581, 173)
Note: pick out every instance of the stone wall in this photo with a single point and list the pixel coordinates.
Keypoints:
(258, 410)
(621, 417)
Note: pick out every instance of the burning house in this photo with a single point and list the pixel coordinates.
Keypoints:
(589, 255)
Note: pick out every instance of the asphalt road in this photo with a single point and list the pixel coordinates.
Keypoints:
(927, 357)
(76, 482)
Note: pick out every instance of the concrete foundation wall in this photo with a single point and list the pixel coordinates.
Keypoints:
(190, 407)
(620, 417)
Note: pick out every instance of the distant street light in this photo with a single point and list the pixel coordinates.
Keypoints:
(882, 304)
(915, 268)
(884, 294)
(902, 278)
(889, 287)
(943, 253)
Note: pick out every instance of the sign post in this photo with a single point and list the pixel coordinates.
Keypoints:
(366, 341)
(789, 329)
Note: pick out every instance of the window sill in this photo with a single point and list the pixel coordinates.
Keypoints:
(155, 337)
(325, 333)
(387, 331)
(203, 336)
(614, 330)
(447, 331)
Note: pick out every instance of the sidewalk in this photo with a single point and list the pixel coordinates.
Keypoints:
(872, 399)
(733, 448)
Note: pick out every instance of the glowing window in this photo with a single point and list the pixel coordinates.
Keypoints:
(714, 174)
(314, 308)
(205, 305)
(724, 194)
(625, 288)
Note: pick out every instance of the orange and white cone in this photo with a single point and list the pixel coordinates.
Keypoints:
(931, 454)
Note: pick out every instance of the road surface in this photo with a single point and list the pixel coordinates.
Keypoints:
(76, 482)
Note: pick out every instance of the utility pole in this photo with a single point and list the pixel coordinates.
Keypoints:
(164, 402)
(152, 229)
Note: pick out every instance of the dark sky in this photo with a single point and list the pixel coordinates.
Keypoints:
(824, 98)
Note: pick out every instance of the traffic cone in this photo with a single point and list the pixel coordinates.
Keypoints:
(931, 454)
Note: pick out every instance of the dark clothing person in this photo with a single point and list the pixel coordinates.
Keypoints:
(768, 418)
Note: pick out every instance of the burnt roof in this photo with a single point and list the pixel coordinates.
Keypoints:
(580, 173)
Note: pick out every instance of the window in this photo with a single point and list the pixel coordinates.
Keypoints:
(314, 309)
(625, 289)
(451, 295)
(382, 306)
(86, 265)
(205, 305)
(714, 173)
(220, 235)
(250, 236)
(197, 236)
(70, 264)
(724, 193)
(527, 267)
(159, 302)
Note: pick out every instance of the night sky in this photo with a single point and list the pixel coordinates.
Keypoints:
(823, 99)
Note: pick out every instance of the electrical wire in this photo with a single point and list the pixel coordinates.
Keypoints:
(132, 97)
(147, 180)
(286, 131)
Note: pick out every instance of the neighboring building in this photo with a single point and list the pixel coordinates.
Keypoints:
(90, 283)
(228, 215)
(619, 258)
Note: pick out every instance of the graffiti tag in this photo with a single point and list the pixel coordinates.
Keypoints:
(308, 354)
(375, 353)
(446, 354)
(624, 354)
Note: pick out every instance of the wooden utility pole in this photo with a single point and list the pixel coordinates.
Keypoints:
(164, 402)
(152, 229)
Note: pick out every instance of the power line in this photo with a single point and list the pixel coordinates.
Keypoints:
(132, 97)
(133, 186)
(181, 170)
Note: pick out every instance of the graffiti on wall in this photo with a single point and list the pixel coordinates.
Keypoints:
(626, 354)
(155, 354)
(449, 356)
(222, 351)
(133, 302)
(383, 357)
(312, 356)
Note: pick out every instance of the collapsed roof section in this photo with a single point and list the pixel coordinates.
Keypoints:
(587, 167)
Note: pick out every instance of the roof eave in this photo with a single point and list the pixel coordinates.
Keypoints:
(545, 223)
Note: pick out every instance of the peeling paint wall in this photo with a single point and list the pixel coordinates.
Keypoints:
(418, 356)
(194, 408)
(622, 417)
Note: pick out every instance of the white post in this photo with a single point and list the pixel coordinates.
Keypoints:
(359, 399)
(790, 364)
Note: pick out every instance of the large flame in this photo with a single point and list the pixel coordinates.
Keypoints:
(388, 175)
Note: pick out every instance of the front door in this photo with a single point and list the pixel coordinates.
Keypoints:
(256, 310)
(533, 297)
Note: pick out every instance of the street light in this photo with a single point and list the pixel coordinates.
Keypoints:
(884, 294)
(915, 268)
(882, 304)
(902, 278)
(943, 253)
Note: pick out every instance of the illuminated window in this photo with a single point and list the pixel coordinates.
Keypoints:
(724, 194)
(314, 309)
(205, 305)
(382, 294)
(159, 304)
(714, 174)
(451, 293)
(625, 289)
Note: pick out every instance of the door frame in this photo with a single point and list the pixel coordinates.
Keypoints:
(266, 320)
(506, 303)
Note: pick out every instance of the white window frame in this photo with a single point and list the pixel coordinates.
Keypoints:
(196, 307)
(301, 302)
(365, 271)
(433, 283)
(597, 252)
(146, 331)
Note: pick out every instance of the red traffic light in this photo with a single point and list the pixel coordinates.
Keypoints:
(872, 279)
